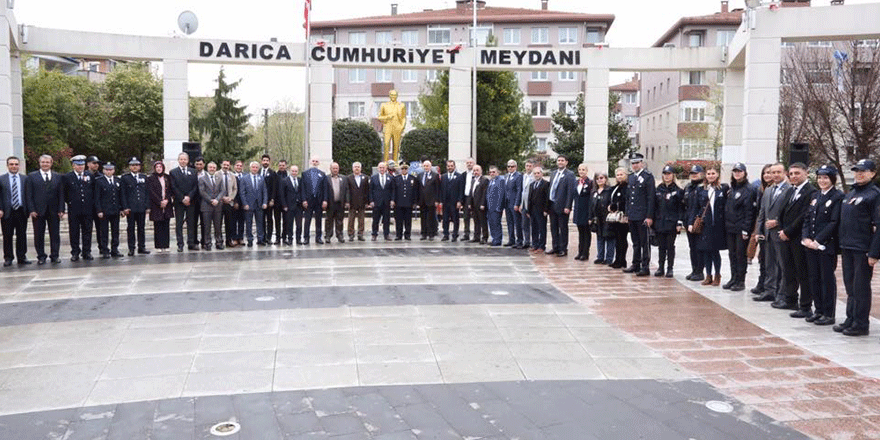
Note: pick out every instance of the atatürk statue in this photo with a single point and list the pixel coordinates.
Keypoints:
(393, 117)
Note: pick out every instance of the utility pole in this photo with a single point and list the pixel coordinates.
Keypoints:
(266, 130)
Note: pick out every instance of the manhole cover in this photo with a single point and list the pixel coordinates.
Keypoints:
(500, 292)
(434, 251)
(264, 298)
(224, 429)
(718, 406)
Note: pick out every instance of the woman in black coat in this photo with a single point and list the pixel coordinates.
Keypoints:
(820, 237)
(766, 180)
(617, 203)
(160, 189)
(711, 198)
(604, 237)
(739, 222)
(668, 220)
(583, 212)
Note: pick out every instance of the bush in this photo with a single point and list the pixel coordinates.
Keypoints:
(428, 143)
(355, 141)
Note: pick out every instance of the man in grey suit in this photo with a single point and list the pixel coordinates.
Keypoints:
(212, 191)
(772, 203)
(254, 199)
(528, 179)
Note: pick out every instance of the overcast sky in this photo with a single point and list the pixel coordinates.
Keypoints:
(638, 23)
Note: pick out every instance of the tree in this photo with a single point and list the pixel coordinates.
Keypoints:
(569, 133)
(133, 96)
(355, 141)
(225, 124)
(430, 143)
(286, 131)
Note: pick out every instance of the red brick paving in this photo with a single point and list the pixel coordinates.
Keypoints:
(807, 392)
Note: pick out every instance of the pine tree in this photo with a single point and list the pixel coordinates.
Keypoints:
(225, 125)
(569, 133)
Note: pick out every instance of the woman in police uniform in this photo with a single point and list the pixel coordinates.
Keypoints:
(860, 247)
(739, 218)
(669, 217)
(711, 199)
(819, 236)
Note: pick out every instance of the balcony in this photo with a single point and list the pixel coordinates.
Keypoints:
(539, 88)
(693, 93)
(381, 88)
(541, 124)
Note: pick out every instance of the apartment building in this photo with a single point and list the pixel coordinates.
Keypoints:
(628, 105)
(358, 93)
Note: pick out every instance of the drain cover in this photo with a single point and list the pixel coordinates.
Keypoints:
(264, 298)
(719, 406)
(500, 292)
(224, 429)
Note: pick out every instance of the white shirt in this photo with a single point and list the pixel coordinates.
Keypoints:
(468, 184)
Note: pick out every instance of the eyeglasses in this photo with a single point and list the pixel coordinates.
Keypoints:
(511, 166)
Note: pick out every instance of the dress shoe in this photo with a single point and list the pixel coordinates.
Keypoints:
(341, 240)
(220, 247)
(717, 280)
(783, 305)
(88, 257)
(690, 276)
(445, 238)
(825, 320)
(454, 239)
(398, 238)
(24, 262)
(193, 247)
(410, 239)
(204, 248)
(757, 290)
(55, 260)
(387, 238)
(851, 331)
(509, 244)
(319, 241)
(423, 238)
(659, 272)
(643, 273)
(495, 244)
(105, 256)
(465, 237)
(517, 246)
(839, 328)
(41, 260)
(698, 277)
(72, 258)
(615, 265)
(550, 252)
(669, 273)
(374, 238)
(7, 263)
(131, 252)
(115, 254)
(728, 284)
(631, 269)
(180, 248)
(801, 314)
(598, 261)
(562, 254)
(764, 298)
(738, 287)
(813, 318)
(361, 238)
(251, 243)
(305, 242)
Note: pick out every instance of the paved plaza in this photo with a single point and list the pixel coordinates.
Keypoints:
(413, 340)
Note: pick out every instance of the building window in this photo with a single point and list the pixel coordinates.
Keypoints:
(720, 77)
(383, 75)
(693, 111)
(819, 43)
(629, 98)
(409, 38)
(818, 73)
(695, 77)
(431, 75)
(869, 43)
(568, 75)
(438, 36)
(409, 75)
(723, 38)
(542, 144)
(660, 121)
(540, 35)
(695, 39)
(568, 107)
(594, 35)
(482, 34)
(412, 108)
(668, 119)
(694, 149)
(632, 121)
(539, 108)
(568, 35)
(357, 76)
(661, 89)
(539, 75)
(648, 96)
(357, 38)
(383, 38)
(511, 36)
(356, 110)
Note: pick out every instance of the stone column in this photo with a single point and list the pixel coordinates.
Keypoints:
(7, 144)
(760, 123)
(460, 116)
(595, 121)
(732, 121)
(175, 97)
(321, 114)
(17, 109)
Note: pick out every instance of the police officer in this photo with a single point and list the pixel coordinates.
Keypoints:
(640, 211)
(690, 201)
(669, 220)
(108, 204)
(406, 193)
(860, 244)
(820, 238)
(79, 192)
(740, 212)
(94, 169)
(134, 206)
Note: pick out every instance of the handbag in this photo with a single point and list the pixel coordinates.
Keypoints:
(614, 217)
(752, 249)
(698, 222)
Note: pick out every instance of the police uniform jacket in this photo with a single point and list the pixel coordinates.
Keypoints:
(44, 198)
(79, 193)
(108, 195)
(513, 188)
(822, 219)
(741, 209)
(713, 237)
(583, 202)
(640, 196)
(601, 201)
(134, 192)
(406, 190)
(858, 217)
(495, 195)
(670, 208)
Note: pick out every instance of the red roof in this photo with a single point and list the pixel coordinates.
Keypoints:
(732, 18)
(463, 16)
(629, 86)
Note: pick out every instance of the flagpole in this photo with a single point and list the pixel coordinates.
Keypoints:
(474, 84)
(308, 24)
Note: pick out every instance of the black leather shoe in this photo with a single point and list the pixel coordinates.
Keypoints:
(825, 320)
(562, 254)
(483, 242)
(220, 247)
(782, 305)
(361, 238)
(465, 237)
(423, 238)
(7, 263)
(765, 297)
(251, 243)
(24, 262)
(738, 287)
(131, 252)
(690, 276)
(41, 261)
(728, 285)
(509, 244)
(319, 241)
(615, 265)
(659, 272)
(454, 239)
(143, 252)
(55, 260)
(598, 261)
(698, 277)
(813, 318)
(757, 290)
(445, 238)
(88, 257)
(105, 256)
(115, 254)
(398, 238)
(72, 258)
(839, 328)
(631, 269)
(550, 252)
(194, 247)
(801, 314)
(179, 248)
(855, 331)
(669, 273)
(643, 273)
(410, 239)
(387, 238)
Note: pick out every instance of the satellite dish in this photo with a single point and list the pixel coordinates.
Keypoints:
(188, 22)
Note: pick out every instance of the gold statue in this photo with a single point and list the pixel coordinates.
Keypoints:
(393, 117)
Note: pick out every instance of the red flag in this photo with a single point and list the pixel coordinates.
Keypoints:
(308, 27)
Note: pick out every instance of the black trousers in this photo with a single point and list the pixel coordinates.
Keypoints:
(428, 216)
(229, 222)
(403, 221)
(80, 226)
(821, 266)
(481, 224)
(450, 216)
(14, 223)
(313, 211)
(187, 214)
(291, 216)
(620, 243)
(135, 224)
(793, 262)
(108, 234)
(585, 238)
(382, 214)
(736, 252)
(857, 274)
(539, 230)
(469, 214)
(335, 216)
(559, 231)
(641, 244)
(762, 263)
(272, 218)
(162, 234)
(666, 249)
(697, 265)
(238, 224)
(212, 217)
(51, 220)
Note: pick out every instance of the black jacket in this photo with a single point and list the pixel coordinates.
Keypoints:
(185, 184)
(822, 219)
(640, 196)
(134, 192)
(79, 193)
(741, 208)
(617, 199)
(690, 201)
(583, 203)
(600, 211)
(792, 218)
(108, 196)
(669, 212)
(289, 198)
(859, 217)
(539, 198)
(42, 197)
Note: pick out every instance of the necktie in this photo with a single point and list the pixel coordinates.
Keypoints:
(424, 178)
(254, 179)
(555, 185)
(314, 178)
(535, 185)
(294, 183)
(46, 177)
(383, 181)
(775, 191)
(80, 176)
(225, 180)
(212, 182)
(16, 201)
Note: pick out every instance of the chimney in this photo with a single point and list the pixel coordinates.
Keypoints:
(394, 9)
(544, 5)
(461, 6)
(724, 6)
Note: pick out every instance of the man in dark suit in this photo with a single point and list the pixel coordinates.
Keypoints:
(429, 199)
(212, 191)
(792, 256)
(381, 197)
(254, 199)
(291, 203)
(314, 185)
(336, 195)
(230, 194)
(640, 200)
(479, 187)
(358, 187)
(495, 202)
(44, 191)
(186, 186)
(768, 224)
(199, 165)
(278, 210)
(238, 207)
(539, 208)
(562, 188)
(271, 179)
(134, 205)
(93, 168)
(513, 188)
(406, 194)
(108, 203)
(79, 192)
(14, 212)
(450, 198)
